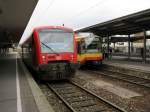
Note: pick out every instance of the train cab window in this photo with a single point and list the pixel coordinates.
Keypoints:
(56, 40)
(94, 47)
(83, 47)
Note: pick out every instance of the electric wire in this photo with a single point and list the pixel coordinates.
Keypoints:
(45, 10)
(85, 11)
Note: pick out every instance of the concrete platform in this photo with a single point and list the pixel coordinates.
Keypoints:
(8, 91)
(18, 91)
(132, 59)
(135, 68)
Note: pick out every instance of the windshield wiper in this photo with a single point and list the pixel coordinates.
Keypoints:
(50, 48)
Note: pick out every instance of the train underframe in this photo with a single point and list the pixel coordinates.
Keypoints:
(57, 70)
(93, 62)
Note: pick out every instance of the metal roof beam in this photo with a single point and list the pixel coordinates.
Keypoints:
(133, 24)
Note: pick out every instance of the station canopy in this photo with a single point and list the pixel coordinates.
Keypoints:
(126, 25)
(14, 16)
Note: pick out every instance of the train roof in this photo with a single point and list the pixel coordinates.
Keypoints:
(49, 27)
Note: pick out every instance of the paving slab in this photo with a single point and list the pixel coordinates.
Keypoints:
(18, 90)
(39, 98)
(8, 95)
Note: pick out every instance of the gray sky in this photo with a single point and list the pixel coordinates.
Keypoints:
(77, 14)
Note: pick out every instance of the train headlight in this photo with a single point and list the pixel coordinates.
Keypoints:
(44, 59)
(72, 57)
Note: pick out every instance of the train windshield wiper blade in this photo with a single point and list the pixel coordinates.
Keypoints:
(49, 48)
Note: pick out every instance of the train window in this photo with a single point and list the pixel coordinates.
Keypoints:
(94, 47)
(83, 47)
(56, 39)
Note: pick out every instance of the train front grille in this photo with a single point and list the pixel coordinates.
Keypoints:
(58, 66)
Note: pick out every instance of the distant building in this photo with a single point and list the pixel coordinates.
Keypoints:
(136, 46)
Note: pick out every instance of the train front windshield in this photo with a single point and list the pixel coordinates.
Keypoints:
(56, 41)
(93, 47)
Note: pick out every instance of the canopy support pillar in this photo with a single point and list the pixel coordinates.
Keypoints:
(108, 47)
(144, 47)
(129, 51)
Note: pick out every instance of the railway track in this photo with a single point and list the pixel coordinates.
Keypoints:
(79, 99)
(123, 77)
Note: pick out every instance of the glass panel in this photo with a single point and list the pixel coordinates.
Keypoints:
(93, 47)
(56, 40)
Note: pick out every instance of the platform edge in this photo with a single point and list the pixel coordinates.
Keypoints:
(40, 99)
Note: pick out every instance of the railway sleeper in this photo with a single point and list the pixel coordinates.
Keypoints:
(73, 100)
(73, 95)
(95, 108)
(78, 97)
(62, 87)
(84, 104)
(65, 90)
(80, 100)
(68, 93)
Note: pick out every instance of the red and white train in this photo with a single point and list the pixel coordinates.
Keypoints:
(51, 52)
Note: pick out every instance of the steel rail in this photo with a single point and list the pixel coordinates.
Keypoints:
(66, 103)
(100, 98)
(126, 74)
(87, 91)
(132, 80)
(120, 78)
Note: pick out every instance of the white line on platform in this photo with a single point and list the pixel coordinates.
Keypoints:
(19, 105)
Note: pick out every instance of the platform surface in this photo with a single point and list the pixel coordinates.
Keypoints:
(131, 64)
(10, 101)
(132, 58)
(8, 95)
